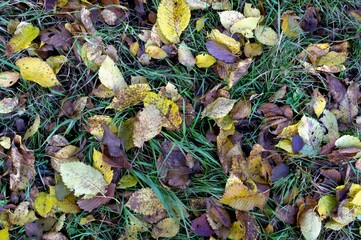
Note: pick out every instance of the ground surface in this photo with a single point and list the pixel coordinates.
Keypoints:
(157, 163)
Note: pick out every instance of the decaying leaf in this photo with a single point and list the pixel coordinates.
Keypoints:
(216, 36)
(173, 17)
(266, 35)
(33, 128)
(37, 70)
(82, 179)
(7, 105)
(100, 199)
(228, 18)
(156, 52)
(7, 79)
(22, 215)
(318, 102)
(219, 108)
(96, 123)
(102, 167)
(166, 228)
(290, 24)
(245, 26)
(218, 218)
(110, 75)
(310, 131)
(25, 33)
(127, 181)
(221, 52)
(200, 226)
(310, 224)
(185, 56)
(232, 73)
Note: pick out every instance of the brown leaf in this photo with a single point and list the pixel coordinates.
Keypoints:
(218, 219)
(55, 38)
(311, 19)
(54, 236)
(287, 214)
(87, 21)
(248, 222)
(242, 109)
(92, 203)
(172, 166)
(349, 103)
(22, 170)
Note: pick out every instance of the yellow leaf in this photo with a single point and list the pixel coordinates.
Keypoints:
(219, 37)
(266, 35)
(25, 33)
(7, 79)
(168, 109)
(43, 204)
(290, 24)
(145, 202)
(134, 48)
(87, 219)
(7, 105)
(173, 17)
(127, 181)
(354, 189)
(103, 167)
(22, 215)
(239, 196)
(310, 131)
(245, 26)
(166, 228)
(205, 60)
(110, 75)
(4, 234)
(237, 232)
(357, 199)
(228, 18)
(248, 11)
(130, 96)
(5, 142)
(33, 129)
(286, 145)
(219, 108)
(200, 23)
(103, 92)
(252, 49)
(356, 14)
(289, 131)
(325, 205)
(55, 62)
(332, 59)
(310, 224)
(37, 70)
(318, 103)
(156, 52)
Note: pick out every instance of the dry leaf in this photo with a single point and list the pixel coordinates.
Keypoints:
(290, 24)
(219, 108)
(228, 18)
(245, 26)
(166, 228)
(217, 36)
(82, 179)
(110, 75)
(25, 33)
(37, 70)
(318, 102)
(7, 79)
(95, 126)
(248, 11)
(173, 17)
(266, 35)
(185, 56)
(7, 105)
(156, 52)
(252, 50)
(109, 17)
(310, 224)
(102, 167)
(205, 60)
(33, 129)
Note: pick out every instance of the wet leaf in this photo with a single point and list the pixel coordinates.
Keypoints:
(96, 123)
(205, 60)
(7, 79)
(33, 128)
(173, 18)
(266, 35)
(37, 70)
(219, 108)
(25, 33)
(200, 226)
(127, 181)
(166, 228)
(82, 179)
(110, 75)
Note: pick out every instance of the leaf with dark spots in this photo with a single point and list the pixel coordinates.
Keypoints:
(56, 37)
(336, 88)
(33, 230)
(287, 214)
(221, 52)
(280, 171)
(92, 203)
(250, 225)
(218, 218)
(200, 226)
(297, 144)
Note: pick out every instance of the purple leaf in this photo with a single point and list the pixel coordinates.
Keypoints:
(221, 52)
(200, 226)
(280, 171)
(297, 144)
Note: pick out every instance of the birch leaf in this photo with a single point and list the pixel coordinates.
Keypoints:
(266, 35)
(310, 131)
(173, 17)
(7, 79)
(219, 37)
(219, 108)
(228, 18)
(82, 179)
(37, 70)
(33, 129)
(110, 75)
(102, 167)
(205, 60)
(310, 224)
(25, 33)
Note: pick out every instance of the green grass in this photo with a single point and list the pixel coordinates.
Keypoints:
(276, 67)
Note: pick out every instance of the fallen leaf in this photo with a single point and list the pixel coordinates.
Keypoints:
(228, 18)
(200, 23)
(110, 75)
(37, 70)
(8, 105)
(95, 125)
(82, 179)
(166, 228)
(310, 131)
(25, 33)
(349, 103)
(242, 109)
(252, 50)
(55, 62)
(291, 24)
(156, 52)
(22, 215)
(318, 102)
(332, 59)
(173, 18)
(109, 17)
(219, 108)
(4, 234)
(33, 129)
(185, 56)
(200, 226)
(216, 36)
(310, 224)
(245, 26)
(325, 206)
(218, 218)
(102, 167)
(7, 79)
(197, 4)
(205, 60)
(87, 21)
(311, 19)
(43, 204)
(348, 141)
(266, 35)
(98, 200)
(248, 11)
(23, 169)
(232, 73)
(127, 181)
(57, 37)
(221, 52)
(129, 96)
